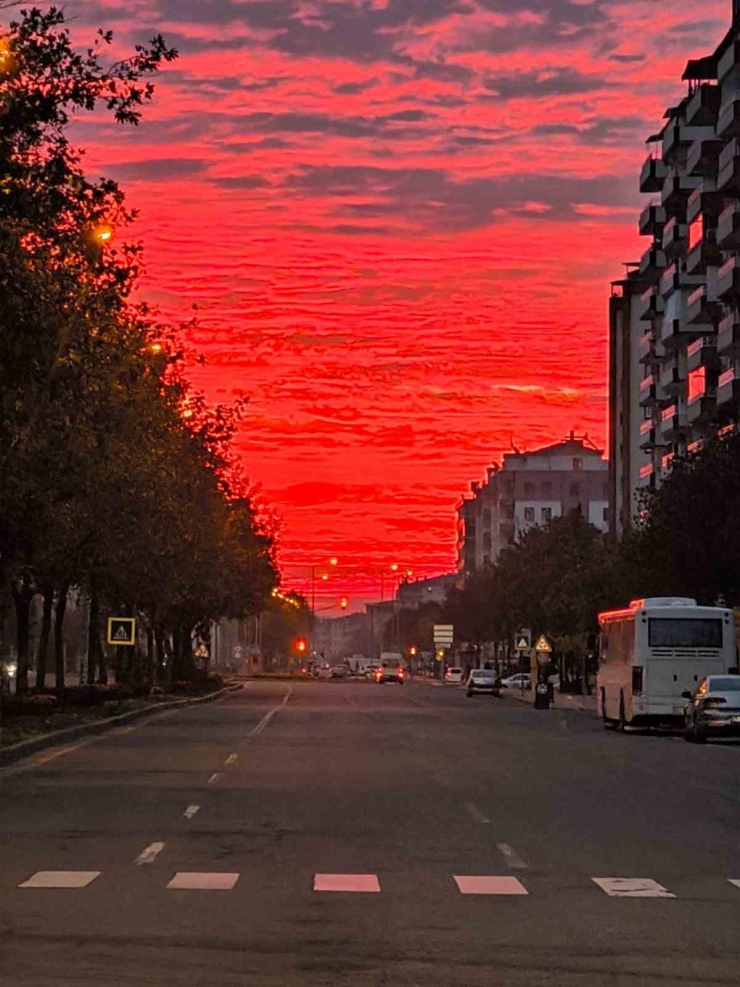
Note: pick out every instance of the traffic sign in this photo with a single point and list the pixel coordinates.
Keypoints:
(443, 634)
(522, 644)
(201, 651)
(543, 644)
(122, 631)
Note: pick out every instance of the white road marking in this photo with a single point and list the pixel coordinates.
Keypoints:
(232, 758)
(122, 730)
(476, 813)
(149, 855)
(632, 887)
(490, 885)
(190, 811)
(365, 883)
(214, 778)
(265, 721)
(61, 879)
(735, 881)
(202, 881)
(511, 857)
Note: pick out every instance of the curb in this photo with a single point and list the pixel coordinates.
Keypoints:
(562, 701)
(22, 749)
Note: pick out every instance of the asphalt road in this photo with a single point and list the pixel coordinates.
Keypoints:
(409, 786)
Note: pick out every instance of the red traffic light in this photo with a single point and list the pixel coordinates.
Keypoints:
(301, 645)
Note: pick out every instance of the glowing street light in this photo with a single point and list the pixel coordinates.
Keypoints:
(344, 603)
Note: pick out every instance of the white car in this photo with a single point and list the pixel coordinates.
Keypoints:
(454, 676)
(522, 680)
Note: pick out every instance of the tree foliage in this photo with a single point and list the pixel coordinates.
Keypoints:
(115, 476)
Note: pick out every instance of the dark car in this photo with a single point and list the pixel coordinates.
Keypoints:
(714, 710)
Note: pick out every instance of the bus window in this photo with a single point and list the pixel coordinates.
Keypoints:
(672, 632)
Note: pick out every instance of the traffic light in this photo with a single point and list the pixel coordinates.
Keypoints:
(413, 651)
(300, 645)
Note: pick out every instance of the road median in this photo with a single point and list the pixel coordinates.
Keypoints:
(24, 748)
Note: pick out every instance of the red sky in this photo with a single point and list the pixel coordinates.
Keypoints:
(399, 219)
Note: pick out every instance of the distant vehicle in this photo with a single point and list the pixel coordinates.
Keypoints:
(714, 709)
(454, 676)
(521, 680)
(654, 651)
(323, 670)
(390, 670)
(338, 672)
(483, 680)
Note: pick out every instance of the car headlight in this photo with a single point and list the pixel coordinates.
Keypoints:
(11, 670)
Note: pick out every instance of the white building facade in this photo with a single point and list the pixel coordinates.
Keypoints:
(531, 488)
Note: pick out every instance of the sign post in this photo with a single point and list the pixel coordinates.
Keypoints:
(443, 637)
(543, 650)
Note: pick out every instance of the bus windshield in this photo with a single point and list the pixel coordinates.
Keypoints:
(690, 632)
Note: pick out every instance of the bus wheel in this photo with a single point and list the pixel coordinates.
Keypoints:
(609, 724)
(622, 721)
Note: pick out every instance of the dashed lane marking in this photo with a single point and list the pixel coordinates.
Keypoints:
(202, 881)
(494, 885)
(232, 758)
(475, 812)
(149, 855)
(265, 721)
(632, 887)
(214, 778)
(61, 879)
(190, 811)
(511, 857)
(123, 730)
(362, 883)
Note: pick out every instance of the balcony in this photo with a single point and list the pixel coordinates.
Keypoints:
(647, 475)
(675, 193)
(677, 135)
(651, 304)
(728, 228)
(647, 391)
(704, 200)
(702, 353)
(670, 382)
(728, 336)
(702, 161)
(675, 333)
(674, 278)
(652, 262)
(728, 61)
(652, 219)
(701, 407)
(728, 175)
(703, 255)
(648, 350)
(728, 280)
(703, 107)
(728, 387)
(700, 311)
(652, 174)
(675, 234)
(728, 121)
(672, 423)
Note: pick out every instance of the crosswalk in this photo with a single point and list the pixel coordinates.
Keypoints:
(466, 884)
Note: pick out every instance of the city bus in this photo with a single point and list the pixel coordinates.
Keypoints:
(653, 651)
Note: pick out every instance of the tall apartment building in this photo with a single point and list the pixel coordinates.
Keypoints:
(674, 318)
(531, 488)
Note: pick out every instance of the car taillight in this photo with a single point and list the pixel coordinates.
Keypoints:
(400, 673)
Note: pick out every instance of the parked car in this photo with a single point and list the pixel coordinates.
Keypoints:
(521, 680)
(483, 680)
(454, 676)
(338, 672)
(323, 671)
(714, 709)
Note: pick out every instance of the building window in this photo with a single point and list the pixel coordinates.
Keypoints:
(575, 489)
(606, 514)
(529, 489)
(529, 513)
(487, 542)
(547, 489)
(508, 512)
(486, 560)
(487, 518)
(577, 463)
(546, 514)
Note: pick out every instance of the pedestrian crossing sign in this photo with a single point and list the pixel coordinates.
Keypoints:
(122, 631)
(543, 644)
(522, 644)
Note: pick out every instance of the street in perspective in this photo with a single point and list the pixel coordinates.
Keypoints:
(369, 493)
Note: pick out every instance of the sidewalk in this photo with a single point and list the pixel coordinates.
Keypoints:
(563, 700)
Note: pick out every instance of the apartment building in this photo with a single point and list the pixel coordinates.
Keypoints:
(531, 488)
(412, 595)
(674, 318)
